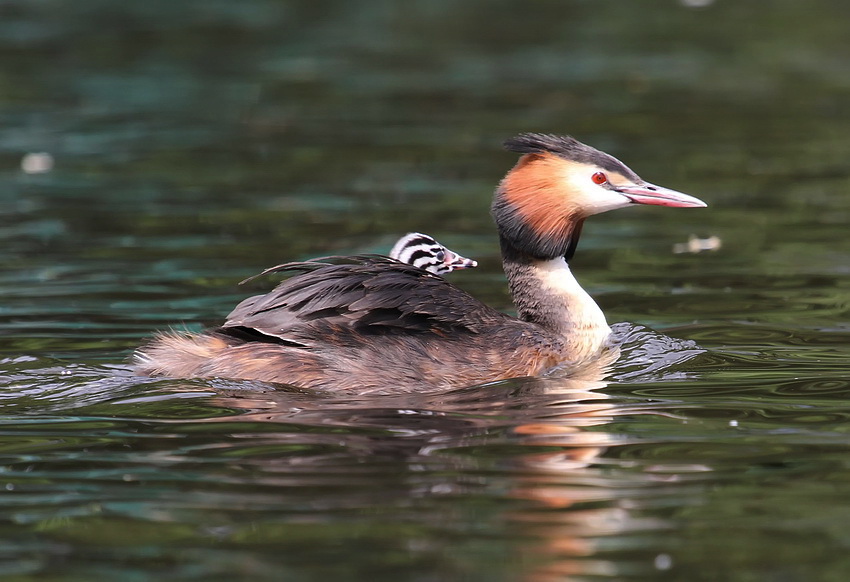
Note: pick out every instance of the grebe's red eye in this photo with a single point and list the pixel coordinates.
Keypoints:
(599, 178)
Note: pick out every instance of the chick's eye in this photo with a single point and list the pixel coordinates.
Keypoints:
(441, 255)
(599, 178)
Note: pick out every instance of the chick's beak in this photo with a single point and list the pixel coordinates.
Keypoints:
(458, 262)
(646, 193)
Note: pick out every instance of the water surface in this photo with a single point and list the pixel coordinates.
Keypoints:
(196, 143)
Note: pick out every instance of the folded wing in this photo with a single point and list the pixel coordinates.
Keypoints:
(367, 294)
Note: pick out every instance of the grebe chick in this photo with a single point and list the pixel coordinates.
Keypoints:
(414, 248)
(421, 250)
(373, 324)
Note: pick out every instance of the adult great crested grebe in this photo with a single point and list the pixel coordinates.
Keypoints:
(376, 324)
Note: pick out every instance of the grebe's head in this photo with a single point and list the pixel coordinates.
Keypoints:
(558, 182)
(421, 250)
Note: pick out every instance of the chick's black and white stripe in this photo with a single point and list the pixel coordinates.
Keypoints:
(421, 250)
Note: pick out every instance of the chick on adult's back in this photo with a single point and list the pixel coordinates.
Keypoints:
(426, 253)
(376, 324)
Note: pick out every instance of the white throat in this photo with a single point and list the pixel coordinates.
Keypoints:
(580, 318)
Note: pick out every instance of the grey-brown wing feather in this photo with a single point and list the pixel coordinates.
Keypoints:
(371, 295)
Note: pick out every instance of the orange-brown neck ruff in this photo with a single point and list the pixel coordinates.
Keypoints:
(533, 209)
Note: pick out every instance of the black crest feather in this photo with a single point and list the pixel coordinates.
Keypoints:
(538, 143)
(568, 148)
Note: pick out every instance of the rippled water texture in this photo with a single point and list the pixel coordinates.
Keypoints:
(154, 154)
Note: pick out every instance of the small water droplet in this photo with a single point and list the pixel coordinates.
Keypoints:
(37, 163)
(663, 562)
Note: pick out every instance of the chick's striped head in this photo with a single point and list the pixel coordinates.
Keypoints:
(421, 250)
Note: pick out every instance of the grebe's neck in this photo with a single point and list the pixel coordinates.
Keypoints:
(545, 292)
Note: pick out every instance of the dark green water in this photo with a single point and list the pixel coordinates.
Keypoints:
(198, 142)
